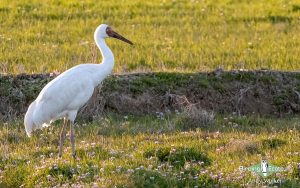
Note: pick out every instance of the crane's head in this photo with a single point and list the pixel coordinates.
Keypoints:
(104, 31)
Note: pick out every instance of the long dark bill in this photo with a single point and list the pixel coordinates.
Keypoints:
(120, 37)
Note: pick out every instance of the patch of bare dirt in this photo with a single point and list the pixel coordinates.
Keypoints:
(242, 147)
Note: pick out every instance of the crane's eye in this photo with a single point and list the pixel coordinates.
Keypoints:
(109, 31)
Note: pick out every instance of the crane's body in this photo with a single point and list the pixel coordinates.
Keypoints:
(64, 95)
(67, 93)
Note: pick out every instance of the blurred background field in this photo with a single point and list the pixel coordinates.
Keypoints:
(186, 36)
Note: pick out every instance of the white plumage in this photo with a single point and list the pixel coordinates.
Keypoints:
(64, 95)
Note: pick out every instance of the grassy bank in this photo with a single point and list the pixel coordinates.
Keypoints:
(187, 36)
(225, 92)
(152, 151)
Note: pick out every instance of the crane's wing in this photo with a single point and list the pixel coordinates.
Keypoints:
(63, 95)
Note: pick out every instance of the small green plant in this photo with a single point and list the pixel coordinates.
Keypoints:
(143, 178)
(296, 8)
(267, 79)
(296, 171)
(65, 171)
(273, 143)
(178, 156)
(219, 86)
(204, 83)
(281, 98)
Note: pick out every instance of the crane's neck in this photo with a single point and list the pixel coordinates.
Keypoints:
(107, 55)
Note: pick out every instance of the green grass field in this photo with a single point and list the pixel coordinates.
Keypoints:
(41, 36)
(152, 152)
(186, 36)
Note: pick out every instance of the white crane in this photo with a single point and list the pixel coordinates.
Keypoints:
(64, 95)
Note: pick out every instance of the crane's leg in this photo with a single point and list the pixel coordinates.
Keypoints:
(62, 136)
(72, 138)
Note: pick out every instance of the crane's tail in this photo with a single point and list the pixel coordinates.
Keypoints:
(28, 120)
